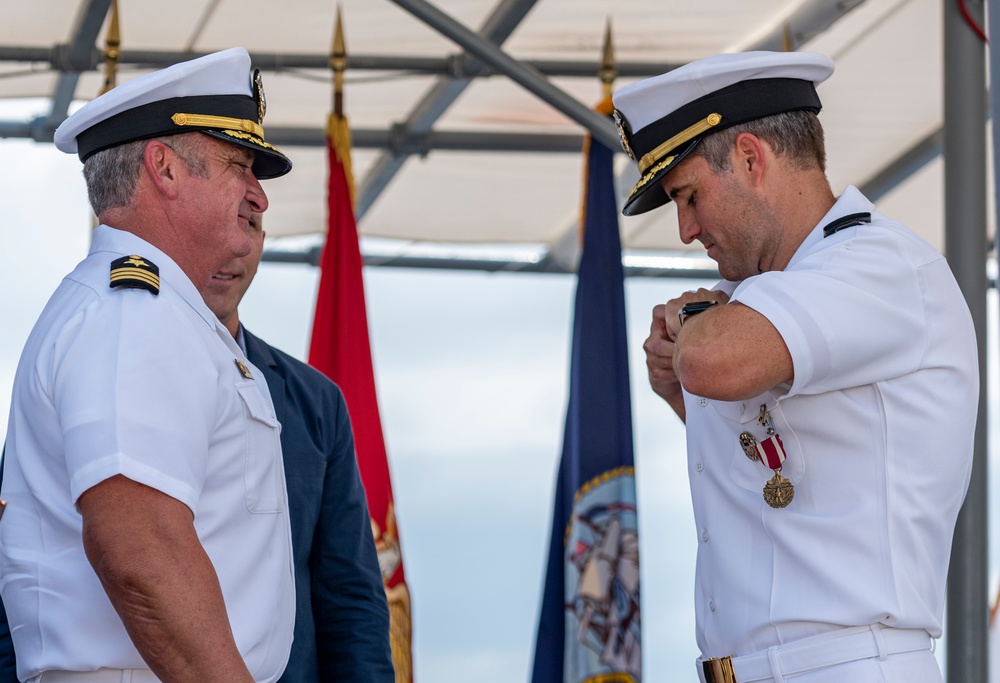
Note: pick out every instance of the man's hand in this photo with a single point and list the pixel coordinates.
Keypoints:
(674, 306)
(660, 345)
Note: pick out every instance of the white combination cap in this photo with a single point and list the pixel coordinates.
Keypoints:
(215, 94)
(662, 119)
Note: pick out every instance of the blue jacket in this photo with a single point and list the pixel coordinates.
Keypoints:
(341, 616)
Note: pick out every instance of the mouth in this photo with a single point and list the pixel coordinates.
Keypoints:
(224, 276)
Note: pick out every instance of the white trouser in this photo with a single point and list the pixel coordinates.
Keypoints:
(849, 651)
(99, 676)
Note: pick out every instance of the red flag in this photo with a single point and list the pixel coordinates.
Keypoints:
(341, 350)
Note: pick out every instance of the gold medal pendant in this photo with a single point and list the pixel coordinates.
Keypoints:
(778, 491)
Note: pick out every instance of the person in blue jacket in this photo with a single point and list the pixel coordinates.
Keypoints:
(341, 615)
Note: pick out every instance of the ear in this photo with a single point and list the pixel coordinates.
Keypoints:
(163, 167)
(751, 157)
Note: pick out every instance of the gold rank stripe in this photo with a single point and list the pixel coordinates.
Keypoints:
(135, 274)
(223, 122)
(688, 133)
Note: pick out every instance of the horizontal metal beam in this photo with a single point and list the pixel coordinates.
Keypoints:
(455, 141)
(546, 264)
(40, 130)
(453, 66)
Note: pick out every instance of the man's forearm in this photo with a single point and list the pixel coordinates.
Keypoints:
(143, 547)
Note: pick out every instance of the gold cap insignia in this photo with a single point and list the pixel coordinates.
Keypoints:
(624, 133)
(135, 272)
(243, 369)
(258, 95)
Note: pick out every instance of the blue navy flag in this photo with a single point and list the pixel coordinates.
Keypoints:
(589, 628)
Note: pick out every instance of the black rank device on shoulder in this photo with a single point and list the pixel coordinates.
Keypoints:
(693, 308)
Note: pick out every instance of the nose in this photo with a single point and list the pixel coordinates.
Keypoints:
(688, 224)
(256, 195)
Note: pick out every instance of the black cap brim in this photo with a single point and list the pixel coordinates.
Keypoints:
(648, 193)
(268, 162)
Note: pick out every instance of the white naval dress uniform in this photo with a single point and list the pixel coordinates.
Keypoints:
(878, 429)
(119, 381)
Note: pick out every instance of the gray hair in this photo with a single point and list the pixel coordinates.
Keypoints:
(797, 135)
(112, 173)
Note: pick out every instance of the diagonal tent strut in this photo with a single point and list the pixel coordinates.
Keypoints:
(75, 57)
(598, 126)
(498, 27)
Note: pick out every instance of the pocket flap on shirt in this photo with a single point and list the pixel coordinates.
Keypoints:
(257, 405)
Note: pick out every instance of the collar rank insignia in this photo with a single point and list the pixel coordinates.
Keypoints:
(244, 370)
(135, 272)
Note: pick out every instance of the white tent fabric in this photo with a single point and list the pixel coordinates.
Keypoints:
(884, 99)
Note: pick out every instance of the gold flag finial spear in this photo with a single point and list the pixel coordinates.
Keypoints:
(338, 63)
(337, 129)
(112, 50)
(608, 69)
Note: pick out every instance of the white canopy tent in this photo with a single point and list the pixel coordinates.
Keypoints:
(443, 159)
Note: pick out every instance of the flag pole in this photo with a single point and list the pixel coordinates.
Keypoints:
(606, 74)
(337, 128)
(112, 50)
(338, 64)
(609, 68)
(111, 54)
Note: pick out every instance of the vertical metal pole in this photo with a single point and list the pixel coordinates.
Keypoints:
(966, 247)
(993, 29)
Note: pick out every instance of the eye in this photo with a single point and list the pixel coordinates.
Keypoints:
(243, 169)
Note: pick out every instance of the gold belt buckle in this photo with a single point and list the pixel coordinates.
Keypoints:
(719, 670)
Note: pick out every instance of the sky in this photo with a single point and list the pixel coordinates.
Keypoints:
(472, 375)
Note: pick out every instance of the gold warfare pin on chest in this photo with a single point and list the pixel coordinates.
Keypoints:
(244, 370)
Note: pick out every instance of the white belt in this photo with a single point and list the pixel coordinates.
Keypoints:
(828, 649)
(99, 676)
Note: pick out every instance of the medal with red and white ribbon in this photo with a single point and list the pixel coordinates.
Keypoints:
(778, 492)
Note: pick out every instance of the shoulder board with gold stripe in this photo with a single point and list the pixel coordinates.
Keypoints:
(135, 272)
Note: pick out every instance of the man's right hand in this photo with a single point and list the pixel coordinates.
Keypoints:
(659, 348)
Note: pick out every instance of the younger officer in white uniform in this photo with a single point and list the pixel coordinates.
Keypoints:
(829, 384)
(146, 532)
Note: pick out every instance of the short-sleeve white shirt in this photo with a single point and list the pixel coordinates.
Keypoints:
(121, 381)
(878, 429)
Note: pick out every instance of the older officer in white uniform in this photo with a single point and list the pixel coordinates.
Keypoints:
(829, 384)
(146, 533)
